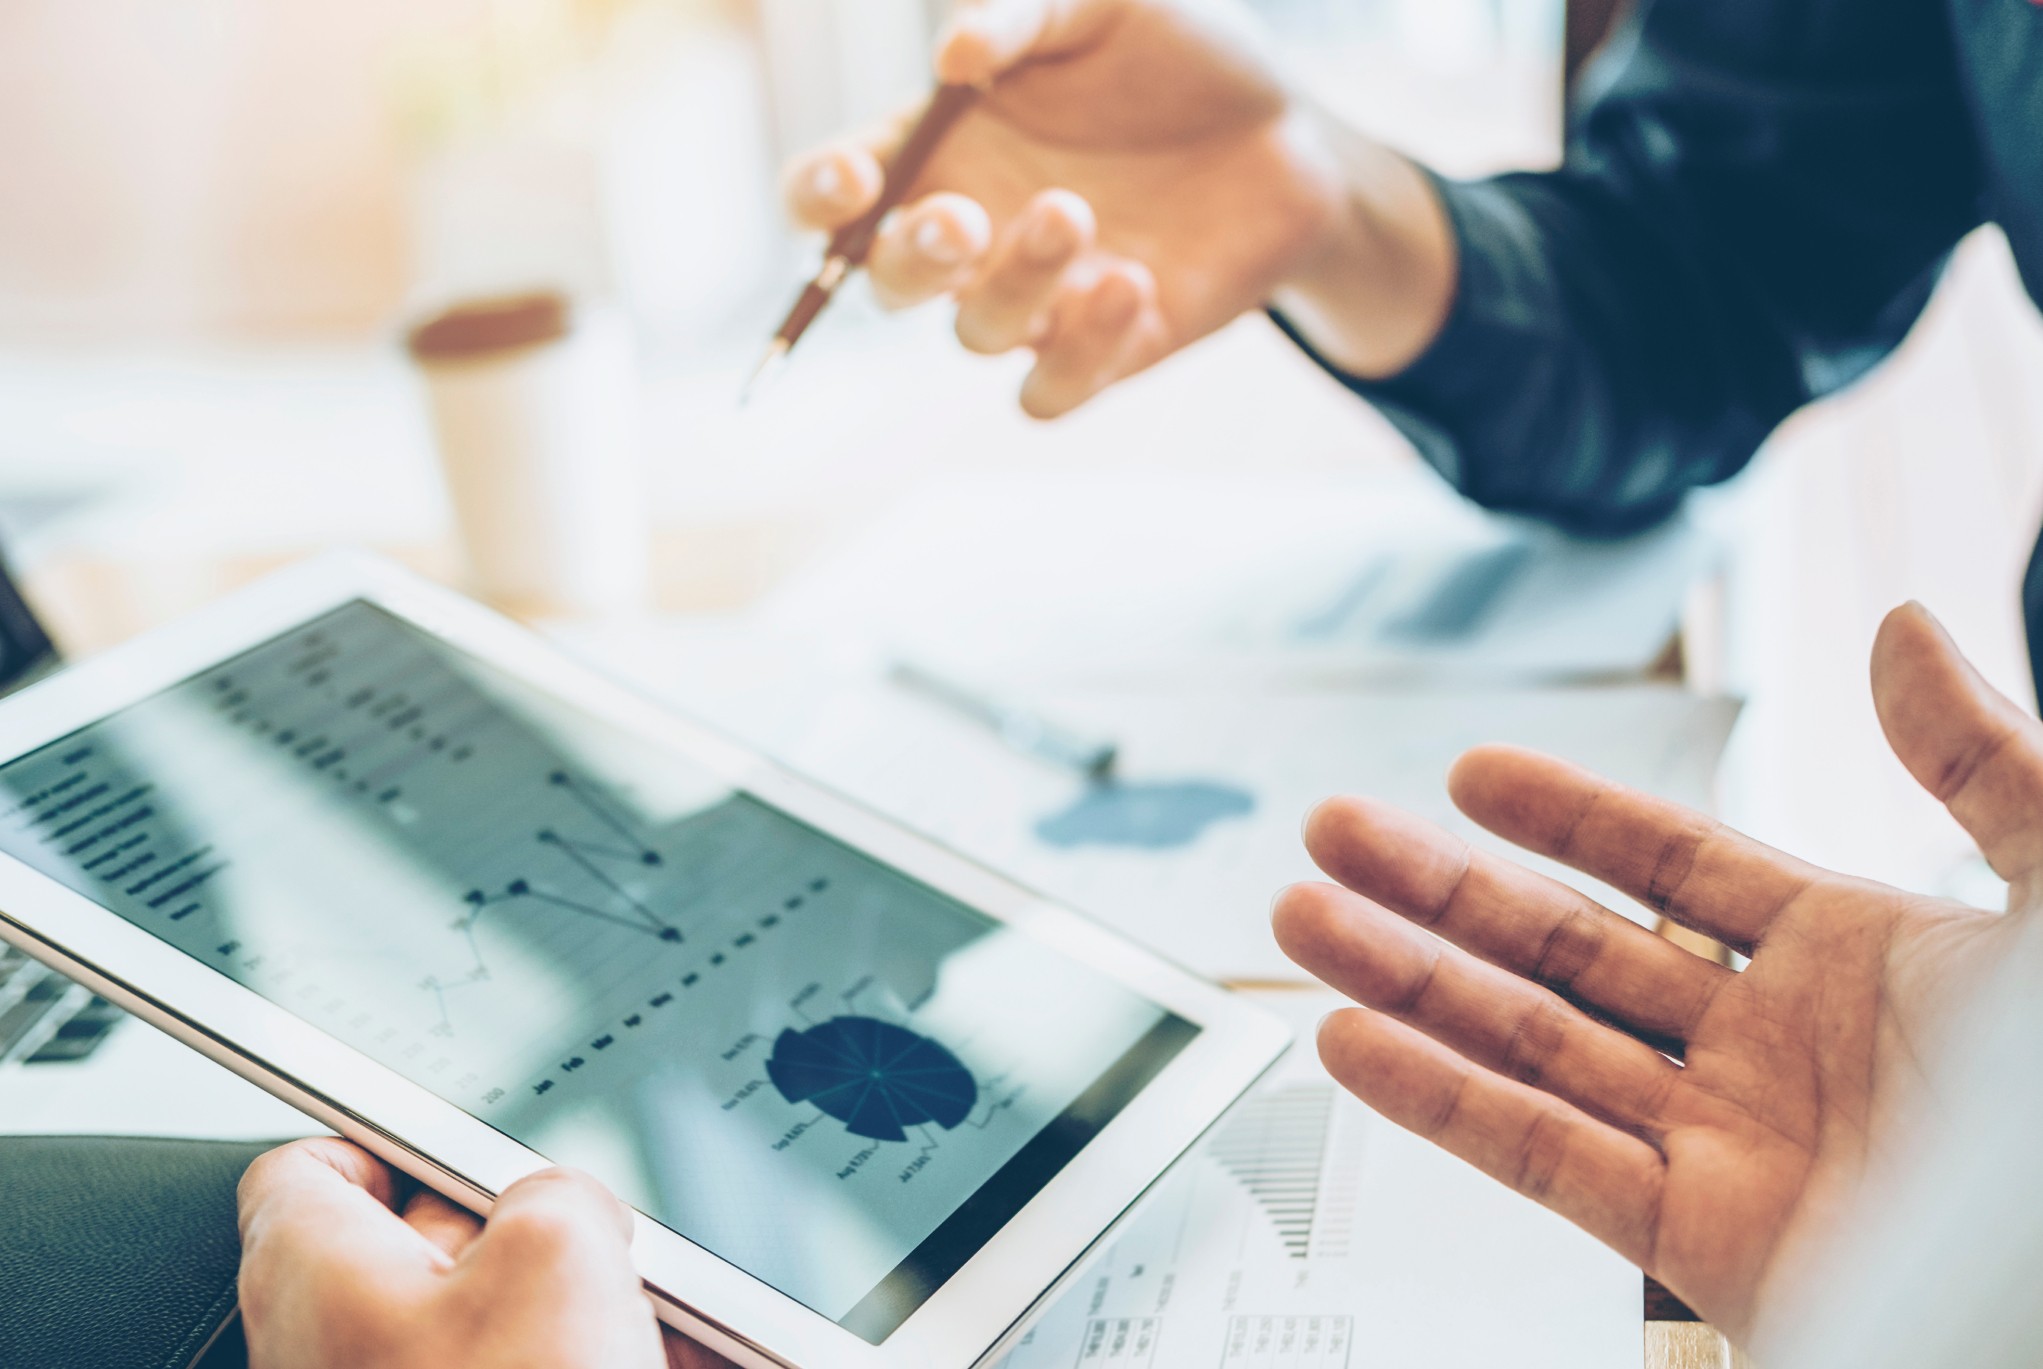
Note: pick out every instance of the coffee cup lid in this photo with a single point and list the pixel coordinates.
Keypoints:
(484, 327)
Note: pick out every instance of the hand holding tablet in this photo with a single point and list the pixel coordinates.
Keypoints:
(481, 912)
(343, 1267)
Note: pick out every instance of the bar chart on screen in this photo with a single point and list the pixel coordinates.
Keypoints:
(591, 941)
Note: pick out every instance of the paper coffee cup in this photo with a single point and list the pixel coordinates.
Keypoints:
(535, 407)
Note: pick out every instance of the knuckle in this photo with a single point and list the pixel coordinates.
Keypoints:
(1536, 1040)
(552, 1212)
(1572, 944)
(1959, 771)
(1650, 1101)
(538, 1231)
(1538, 1154)
(1438, 909)
(1414, 995)
(1673, 864)
(271, 1163)
(261, 1173)
(331, 1151)
(1445, 1116)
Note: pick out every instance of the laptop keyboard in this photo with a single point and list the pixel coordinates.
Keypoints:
(44, 1017)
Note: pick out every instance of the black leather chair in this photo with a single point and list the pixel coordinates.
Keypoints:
(119, 1253)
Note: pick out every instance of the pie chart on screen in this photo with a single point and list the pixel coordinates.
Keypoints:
(877, 1078)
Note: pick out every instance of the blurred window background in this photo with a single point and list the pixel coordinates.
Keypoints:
(284, 169)
(217, 215)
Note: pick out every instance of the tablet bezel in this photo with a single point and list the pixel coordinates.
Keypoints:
(453, 1151)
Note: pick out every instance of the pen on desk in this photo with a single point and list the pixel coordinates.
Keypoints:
(850, 244)
(1024, 731)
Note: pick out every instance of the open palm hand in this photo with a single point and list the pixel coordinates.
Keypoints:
(1710, 1125)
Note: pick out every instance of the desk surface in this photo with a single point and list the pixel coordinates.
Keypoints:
(221, 470)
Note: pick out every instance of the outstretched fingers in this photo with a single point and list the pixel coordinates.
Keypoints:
(1524, 922)
(1491, 1016)
(1964, 741)
(1010, 303)
(1604, 1181)
(1674, 860)
(1104, 326)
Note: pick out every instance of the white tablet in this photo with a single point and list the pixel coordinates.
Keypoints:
(401, 863)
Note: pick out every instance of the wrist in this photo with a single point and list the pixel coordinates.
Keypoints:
(1371, 285)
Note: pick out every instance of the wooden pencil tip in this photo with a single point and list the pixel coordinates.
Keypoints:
(769, 365)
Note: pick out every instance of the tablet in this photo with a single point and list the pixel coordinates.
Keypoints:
(481, 910)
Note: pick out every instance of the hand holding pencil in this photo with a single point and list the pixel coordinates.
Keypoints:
(852, 242)
(1131, 176)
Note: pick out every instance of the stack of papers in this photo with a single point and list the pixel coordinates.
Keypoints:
(1186, 850)
(1388, 578)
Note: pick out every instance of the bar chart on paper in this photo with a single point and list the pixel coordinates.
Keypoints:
(1238, 1261)
(1306, 1233)
(1266, 1342)
(1275, 1146)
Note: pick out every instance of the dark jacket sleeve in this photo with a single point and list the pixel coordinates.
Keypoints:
(1756, 201)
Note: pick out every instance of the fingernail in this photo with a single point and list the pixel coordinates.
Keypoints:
(936, 243)
(826, 180)
(968, 51)
(1048, 239)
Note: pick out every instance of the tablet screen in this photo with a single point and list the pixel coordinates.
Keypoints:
(820, 1069)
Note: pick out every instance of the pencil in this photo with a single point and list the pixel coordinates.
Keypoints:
(850, 244)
